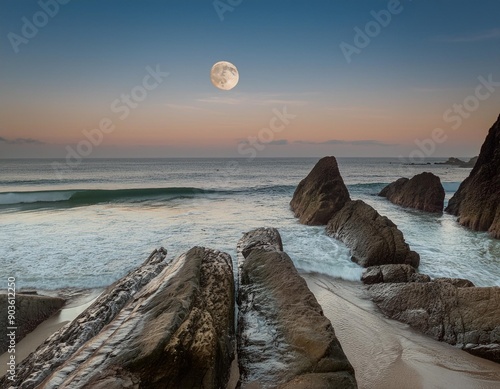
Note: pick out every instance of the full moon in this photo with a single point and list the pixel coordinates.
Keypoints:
(224, 75)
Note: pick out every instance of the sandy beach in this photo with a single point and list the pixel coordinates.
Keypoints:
(387, 354)
(77, 302)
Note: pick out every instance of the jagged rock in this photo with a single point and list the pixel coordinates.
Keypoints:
(30, 311)
(424, 192)
(321, 194)
(452, 161)
(470, 163)
(387, 274)
(64, 343)
(458, 162)
(372, 238)
(161, 326)
(468, 316)
(477, 201)
(284, 340)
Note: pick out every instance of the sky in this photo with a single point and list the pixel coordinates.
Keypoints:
(371, 78)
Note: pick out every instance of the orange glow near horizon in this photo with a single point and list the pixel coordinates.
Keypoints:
(223, 126)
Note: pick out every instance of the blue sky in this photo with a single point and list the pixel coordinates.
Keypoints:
(427, 58)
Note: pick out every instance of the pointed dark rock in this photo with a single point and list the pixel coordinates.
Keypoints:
(321, 194)
(424, 192)
(477, 201)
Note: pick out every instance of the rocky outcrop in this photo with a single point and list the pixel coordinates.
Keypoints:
(465, 316)
(268, 239)
(458, 162)
(451, 161)
(322, 198)
(424, 192)
(470, 163)
(284, 340)
(393, 188)
(164, 325)
(65, 342)
(477, 201)
(372, 238)
(30, 311)
(321, 194)
(388, 274)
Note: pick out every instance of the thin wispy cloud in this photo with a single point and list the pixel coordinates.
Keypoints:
(220, 100)
(277, 142)
(362, 142)
(487, 35)
(21, 141)
(431, 89)
(188, 108)
(356, 110)
(258, 99)
(352, 109)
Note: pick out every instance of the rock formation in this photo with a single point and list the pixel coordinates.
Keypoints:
(322, 198)
(31, 310)
(388, 274)
(465, 316)
(477, 201)
(452, 161)
(458, 162)
(372, 238)
(284, 340)
(470, 163)
(424, 192)
(321, 194)
(160, 326)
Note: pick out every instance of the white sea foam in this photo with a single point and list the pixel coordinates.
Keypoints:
(34, 197)
(96, 243)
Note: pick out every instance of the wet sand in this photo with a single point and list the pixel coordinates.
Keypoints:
(387, 354)
(77, 302)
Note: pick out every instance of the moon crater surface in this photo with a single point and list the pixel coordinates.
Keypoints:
(224, 75)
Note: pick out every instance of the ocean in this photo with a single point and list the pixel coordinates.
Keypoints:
(86, 226)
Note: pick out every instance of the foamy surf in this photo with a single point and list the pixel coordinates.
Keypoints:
(90, 229)
(34, 197)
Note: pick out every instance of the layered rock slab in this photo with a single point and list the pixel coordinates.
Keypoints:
(284, 340)
(174, 328)
(477, 200)
(321, 194)
(65, 342)
(423, 191)
(372, 238)
(467, 316)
